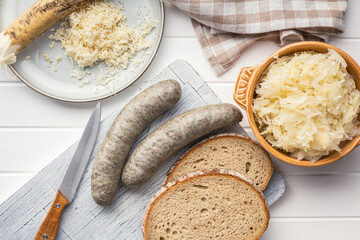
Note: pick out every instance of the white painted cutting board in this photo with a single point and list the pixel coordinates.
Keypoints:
(22, 214)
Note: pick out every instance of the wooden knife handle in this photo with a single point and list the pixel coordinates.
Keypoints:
(50, 225)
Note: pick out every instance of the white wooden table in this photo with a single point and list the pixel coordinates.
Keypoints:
(320, 203)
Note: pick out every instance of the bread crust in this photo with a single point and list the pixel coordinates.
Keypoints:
(211, 138)
(198, 174)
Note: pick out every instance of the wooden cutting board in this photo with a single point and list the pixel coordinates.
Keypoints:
(22, 214)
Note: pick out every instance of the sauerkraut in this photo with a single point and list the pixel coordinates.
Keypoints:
(307, 104)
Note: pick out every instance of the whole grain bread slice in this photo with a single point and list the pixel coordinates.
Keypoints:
(215, 204)
(226, 151)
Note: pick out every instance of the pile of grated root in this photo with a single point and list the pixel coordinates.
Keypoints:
(98, 32)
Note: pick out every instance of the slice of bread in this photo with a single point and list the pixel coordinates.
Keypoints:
(226, 151)
(216, 204)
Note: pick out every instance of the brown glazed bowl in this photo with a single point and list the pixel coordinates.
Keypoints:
(244, 94)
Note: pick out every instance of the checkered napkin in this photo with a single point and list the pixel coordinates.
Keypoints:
(225, 28)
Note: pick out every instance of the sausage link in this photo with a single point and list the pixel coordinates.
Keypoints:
(173, 135)
(124, 131)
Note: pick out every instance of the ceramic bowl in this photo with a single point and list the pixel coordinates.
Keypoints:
(245, 90)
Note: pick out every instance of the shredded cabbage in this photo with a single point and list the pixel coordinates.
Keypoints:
(307, 104)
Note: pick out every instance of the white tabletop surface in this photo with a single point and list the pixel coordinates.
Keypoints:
(320, 203)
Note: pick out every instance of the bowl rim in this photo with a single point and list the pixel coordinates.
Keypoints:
(286, 50)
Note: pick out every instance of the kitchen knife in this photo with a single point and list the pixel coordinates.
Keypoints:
(72, 177)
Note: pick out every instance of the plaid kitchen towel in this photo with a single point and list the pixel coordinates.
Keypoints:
(227, 27)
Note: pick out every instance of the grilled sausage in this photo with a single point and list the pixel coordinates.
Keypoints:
(173, 135)
(124, 131)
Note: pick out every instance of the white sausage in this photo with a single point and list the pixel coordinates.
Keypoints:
(124, 131)
(173, 135)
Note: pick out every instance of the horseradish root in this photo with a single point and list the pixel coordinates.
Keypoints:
(31, 24)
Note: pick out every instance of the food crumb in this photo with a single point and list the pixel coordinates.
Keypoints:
(47, 57)
(37, 56)
(58, 58)
(84, 82)
(139, 61)
(138, 11)
(52, 45)
(103, 80)
(78, 74)
(27, 58)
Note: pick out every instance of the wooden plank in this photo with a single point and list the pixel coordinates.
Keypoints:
(28, 217)
(28, 108)
(326, 195)
(24, 145)
(310, 201)
(11, 182)
(307, 196)
(348, 164)
(189, 50)
(35, 110)
(313, 229)
(43, 150)
(352, 19)
(225, 93)
(35, 193)
(175, 17)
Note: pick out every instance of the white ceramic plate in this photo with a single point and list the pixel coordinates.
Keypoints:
(37, 72)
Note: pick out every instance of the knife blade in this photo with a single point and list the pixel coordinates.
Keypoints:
(72, 177)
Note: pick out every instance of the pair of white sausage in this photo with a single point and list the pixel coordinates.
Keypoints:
(159, 145)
